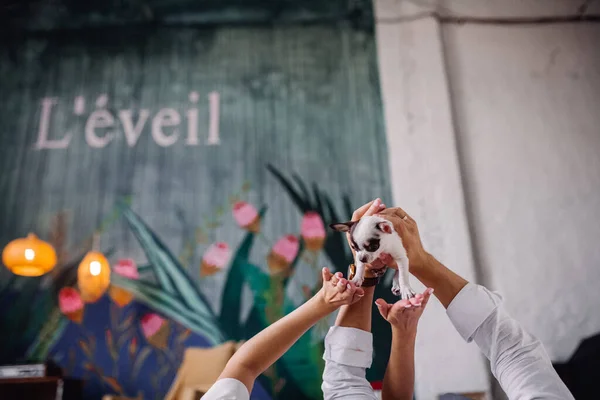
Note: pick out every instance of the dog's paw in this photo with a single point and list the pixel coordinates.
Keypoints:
(396, 289)
(406, 293)
(358, 280)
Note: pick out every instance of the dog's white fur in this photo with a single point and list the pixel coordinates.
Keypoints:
(389, 242)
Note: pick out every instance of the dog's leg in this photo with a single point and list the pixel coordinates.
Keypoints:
(359, 277)
(401, 285)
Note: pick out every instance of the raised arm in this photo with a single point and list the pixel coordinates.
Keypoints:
(349, 344)
(257, 354)
(518, 360)
(403, 316)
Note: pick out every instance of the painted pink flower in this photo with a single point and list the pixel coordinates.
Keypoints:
(313, 231)
(69, 300)
(287, 247)
(216, 257)
(246, 216)
(127, 268)
(155, 329)
(151, 323)
(70, 304)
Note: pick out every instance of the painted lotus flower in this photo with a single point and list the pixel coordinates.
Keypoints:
(216, 257)
(313, 231)
(70, 304)
(126, 268)
(246, 216)
(156, 330)
(283, 254)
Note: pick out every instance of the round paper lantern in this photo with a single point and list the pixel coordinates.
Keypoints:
(29, 256)
(93, 276)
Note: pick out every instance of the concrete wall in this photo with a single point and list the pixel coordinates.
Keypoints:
(527, 103)
(494, 136)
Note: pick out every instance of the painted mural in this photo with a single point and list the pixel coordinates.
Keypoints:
(207, 164)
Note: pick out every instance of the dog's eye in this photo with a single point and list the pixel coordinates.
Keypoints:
(372, 245)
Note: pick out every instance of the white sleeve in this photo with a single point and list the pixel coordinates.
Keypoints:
(348, 353)
(227, 389)
(518, 360)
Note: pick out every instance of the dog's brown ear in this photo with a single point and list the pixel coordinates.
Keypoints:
(342, 226)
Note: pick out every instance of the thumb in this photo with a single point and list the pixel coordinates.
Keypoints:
(326, 274)
(383, 308)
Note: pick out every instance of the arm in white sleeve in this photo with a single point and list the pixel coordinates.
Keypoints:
(518, 359)
(348, 353)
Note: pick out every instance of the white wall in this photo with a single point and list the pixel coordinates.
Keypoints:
(527, 102)
(497, 129)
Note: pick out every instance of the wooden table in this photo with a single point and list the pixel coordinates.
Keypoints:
(44, 388)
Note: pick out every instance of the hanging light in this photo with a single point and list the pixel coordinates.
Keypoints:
(29, 256)
(93, 275)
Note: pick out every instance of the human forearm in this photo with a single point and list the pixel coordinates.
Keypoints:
(257, 354)
(357, 315)
(446, 283)
(399, 380)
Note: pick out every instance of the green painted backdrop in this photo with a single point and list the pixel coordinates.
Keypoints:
(300, 128)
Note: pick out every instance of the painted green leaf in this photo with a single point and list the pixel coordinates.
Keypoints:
(170, 274)
(49, 334)
(301, 363)
(231, 303)
(335, 243)
(172, 307)
(139, 361)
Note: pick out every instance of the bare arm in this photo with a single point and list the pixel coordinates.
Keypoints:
(349, 344)
(257, 354)
(403, 316)
(399, 380)
(358, 315)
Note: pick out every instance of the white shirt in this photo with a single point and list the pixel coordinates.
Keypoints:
(227, 389)
(518, 360)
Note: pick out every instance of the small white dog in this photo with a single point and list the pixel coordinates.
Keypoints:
(370, 237)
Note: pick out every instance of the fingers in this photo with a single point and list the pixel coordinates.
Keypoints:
(375, 207)
(360, 292)
(341, 285)
(417, 300)
(383, 308)
(350, 289)
(426, 295)
(370, 208)
(336, 278)
(388, 260)
(404, 304)
(326, 274)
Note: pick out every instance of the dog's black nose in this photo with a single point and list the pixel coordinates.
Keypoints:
(364, 259)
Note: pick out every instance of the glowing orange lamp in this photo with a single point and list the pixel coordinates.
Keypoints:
(93, 275)
(29, 256)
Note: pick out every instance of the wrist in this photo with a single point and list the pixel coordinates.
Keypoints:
(406, 335)
(323, 306)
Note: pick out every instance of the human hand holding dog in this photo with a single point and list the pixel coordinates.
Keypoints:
(423, 265)
(338, 291)
(408, 230)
